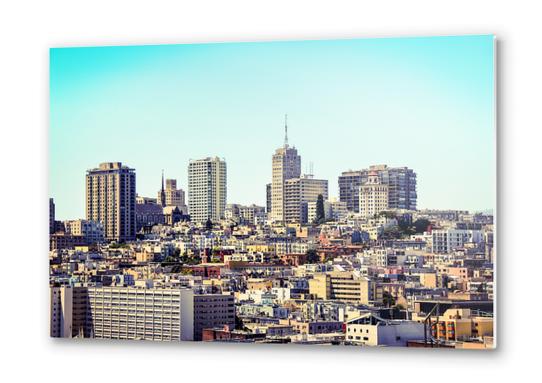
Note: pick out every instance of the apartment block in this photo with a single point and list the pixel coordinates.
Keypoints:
(110, 200)
(207, 189)
(212, 310)
(401, 182)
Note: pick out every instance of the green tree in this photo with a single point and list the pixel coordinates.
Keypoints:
(312, 256)
(320, 213)
(387, 299)
(421, 225)
(209, 224)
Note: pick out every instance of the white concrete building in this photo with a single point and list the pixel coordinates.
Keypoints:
(371, 330)
(373, 196)
(207, 189)
(446, 241)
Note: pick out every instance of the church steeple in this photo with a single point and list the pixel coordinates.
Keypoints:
(163, 192)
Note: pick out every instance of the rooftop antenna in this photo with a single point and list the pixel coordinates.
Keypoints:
(286, 130)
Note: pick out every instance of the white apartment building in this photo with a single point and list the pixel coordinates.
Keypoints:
(371, 330)
(207, 189)
(137, 313)
(373, 196)
(446, 241)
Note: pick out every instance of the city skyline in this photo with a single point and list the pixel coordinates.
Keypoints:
(225, 100)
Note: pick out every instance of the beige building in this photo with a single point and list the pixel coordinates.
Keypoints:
(286, 165)
(110, 200)
(373, 196)
(207, 189)
(343, 286)
(171, 196)
(298, 194)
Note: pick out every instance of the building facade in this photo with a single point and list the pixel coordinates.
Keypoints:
(207, 189)
(298, 193)
(286, 165)
(373, 196)
(213, 310)
(110, 200)
(401, 182)
(171, 196)
(137, 313)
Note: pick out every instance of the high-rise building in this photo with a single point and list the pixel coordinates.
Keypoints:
(298, 193)
(171, 196)
(286, 165)
(268, 198)
(373, 196)
(111, 196)
(207, 189)
(51, 216)
(401, 183)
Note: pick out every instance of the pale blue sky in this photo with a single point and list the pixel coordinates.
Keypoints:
(426, 103)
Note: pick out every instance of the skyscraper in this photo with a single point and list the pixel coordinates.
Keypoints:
(51, 216)
(400, 180)
(111, 195)
(207, 189)
(286, 165)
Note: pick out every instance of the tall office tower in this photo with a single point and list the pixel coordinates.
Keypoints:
(51, 216)
(401, 182)
(171, 196)
(373, 196)
(286, 165)
(268, 198)
(111, 196)
(298, 193)
(207, 189)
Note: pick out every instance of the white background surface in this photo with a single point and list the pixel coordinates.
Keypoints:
(29, 29)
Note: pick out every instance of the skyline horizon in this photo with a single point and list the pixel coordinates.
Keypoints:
(424, 102)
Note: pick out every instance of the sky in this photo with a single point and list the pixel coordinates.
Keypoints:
(426, 103)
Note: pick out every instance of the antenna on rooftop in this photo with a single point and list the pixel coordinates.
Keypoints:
(285, 130)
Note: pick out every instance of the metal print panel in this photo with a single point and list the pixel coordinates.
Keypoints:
(336, 192)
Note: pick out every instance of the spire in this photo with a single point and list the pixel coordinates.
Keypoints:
(162, 192)
(285, 130)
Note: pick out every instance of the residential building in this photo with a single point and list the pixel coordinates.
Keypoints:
(110, 200)
(448, 240)
(298, 193)
(92, 231)
(371, 330)
(373, 196)
(344, 286)
(141, 313)
(211, 311)
(400, 180)
(51, 216)
(207, 189)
